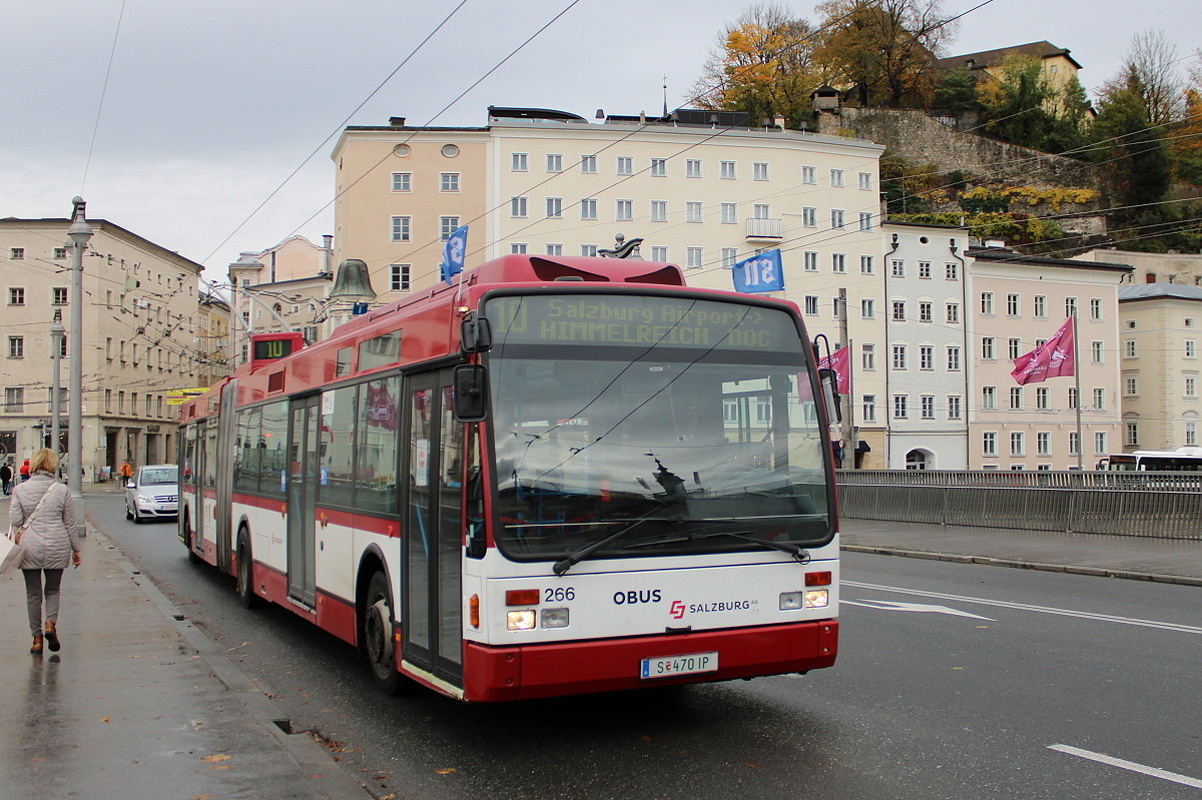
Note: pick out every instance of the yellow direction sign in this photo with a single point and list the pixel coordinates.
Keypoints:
(176, 397)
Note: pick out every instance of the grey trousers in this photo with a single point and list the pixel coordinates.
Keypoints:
(34, 594)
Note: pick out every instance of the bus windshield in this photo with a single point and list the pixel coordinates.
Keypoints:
(687, 424)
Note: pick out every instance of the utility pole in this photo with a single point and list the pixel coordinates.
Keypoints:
(56, 341)
(77, 240)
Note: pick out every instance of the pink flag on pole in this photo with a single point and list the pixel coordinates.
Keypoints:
(840, 362)
(1054, 358)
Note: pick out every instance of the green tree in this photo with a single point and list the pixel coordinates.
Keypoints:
(884, 49)
(956, 90)
(1014, 107)
(1131, 148)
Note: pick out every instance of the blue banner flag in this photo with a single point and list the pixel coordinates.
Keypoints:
(760, 273)
(453, 254)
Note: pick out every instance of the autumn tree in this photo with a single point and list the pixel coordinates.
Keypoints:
(1186, 145)
(884, 49)
(1153, 60)
(1024, 107)
(763, 66)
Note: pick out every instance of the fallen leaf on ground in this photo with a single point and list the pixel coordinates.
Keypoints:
(446, 771)
(218, 757)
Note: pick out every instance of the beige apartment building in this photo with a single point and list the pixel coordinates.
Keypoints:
(1160, 325)
(140, 329)
(700, 189)
(212, 339)
(1018, 302)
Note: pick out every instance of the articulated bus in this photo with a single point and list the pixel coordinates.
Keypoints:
(558, 476)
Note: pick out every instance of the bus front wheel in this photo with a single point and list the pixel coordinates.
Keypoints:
(244, 575)
(378, 641)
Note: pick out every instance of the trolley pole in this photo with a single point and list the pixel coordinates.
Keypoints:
(77, 235)
(56, 341)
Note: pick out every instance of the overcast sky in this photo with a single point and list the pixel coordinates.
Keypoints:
(210, 105)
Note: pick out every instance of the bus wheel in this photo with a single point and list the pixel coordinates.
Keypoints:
(244, 576)
(192, 557)
(376, 627)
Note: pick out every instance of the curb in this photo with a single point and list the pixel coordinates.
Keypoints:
(1100, 572)
(320, 770)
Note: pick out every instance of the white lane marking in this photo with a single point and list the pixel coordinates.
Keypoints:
(1184, 780)
(1063, 612)
(886, 605)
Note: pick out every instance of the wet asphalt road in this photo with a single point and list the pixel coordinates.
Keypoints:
(953, 681)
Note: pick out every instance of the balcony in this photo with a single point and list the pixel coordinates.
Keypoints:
(764, 229)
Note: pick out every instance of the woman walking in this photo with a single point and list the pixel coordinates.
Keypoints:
(44, 509)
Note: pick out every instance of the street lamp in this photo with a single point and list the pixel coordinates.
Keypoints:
(77, 239)
(56, 341)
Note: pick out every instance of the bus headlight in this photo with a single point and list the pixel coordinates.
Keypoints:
(790, 601)
(554, 618)
(817, 598)
(520, 620)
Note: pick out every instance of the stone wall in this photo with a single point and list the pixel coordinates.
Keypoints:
(912, 135)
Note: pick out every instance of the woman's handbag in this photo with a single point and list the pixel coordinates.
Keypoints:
(11, 551)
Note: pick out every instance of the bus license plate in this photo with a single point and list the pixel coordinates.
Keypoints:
(669, 666)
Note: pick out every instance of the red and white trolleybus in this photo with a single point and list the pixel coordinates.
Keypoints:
(560, 475)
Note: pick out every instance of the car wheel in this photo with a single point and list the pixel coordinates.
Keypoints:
(128, 514)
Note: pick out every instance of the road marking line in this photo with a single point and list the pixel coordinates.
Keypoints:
(1184, 780)
(1063, 612)
(889, 605)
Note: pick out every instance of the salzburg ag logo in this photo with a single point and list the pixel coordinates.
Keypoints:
(677, 609)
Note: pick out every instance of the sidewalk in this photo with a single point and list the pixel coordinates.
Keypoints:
(1133, 557)
(139, 704)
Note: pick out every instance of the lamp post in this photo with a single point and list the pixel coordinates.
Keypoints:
(56, 341)
(77, 239)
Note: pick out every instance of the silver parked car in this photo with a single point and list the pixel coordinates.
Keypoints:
(152, 493)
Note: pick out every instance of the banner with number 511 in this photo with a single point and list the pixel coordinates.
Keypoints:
(760, 273)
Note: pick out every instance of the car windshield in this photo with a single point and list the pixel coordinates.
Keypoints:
(707, 428)
(155, 476)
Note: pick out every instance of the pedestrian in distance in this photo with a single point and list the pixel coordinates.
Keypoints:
(6, 477)
(126, 471)
(43, 507)
(25, 471)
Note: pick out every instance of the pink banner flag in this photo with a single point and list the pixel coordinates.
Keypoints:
(840, 362)
(1054, 358)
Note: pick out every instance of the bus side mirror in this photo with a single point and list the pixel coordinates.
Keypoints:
(471, 392)
(829, 381)
(475, 335)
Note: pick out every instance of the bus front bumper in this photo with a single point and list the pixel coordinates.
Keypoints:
(497, 674)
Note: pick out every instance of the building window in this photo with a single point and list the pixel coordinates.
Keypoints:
(1099, 443)
(1041, 398)
(659, 210)
(952, 314)
(1016, 398)
(1131, 434)
(987, 303)
(58, 296)
(1015, 348)
(16, 347)
(869, 408)
(625, 210)
(989, 443)
(659, 167)
(1070, 307)
(868, 357)
(588, 250)
(809, 217)
(16, 296)
(14, 399)
(899, 310)
(625, 165)
(60, 252)
(1130, 386)
(588, 164)
(692, 168)
(693, 257)
(866, 267)
(555, 249)
(1097, 350)
(899, 356)
(730, 213)
(810, 261)
(926, 357)
(989, 398)
(866, 181)
(400, 229)
(953, 406)
(659, 253)
(588, 208)
(899, 406)
(1095, 308)
(399, 277)
(402, 181)
(727, 170)
(517, 207)
(1191, 384)
(836, 179)
(924, 312)
(838, 262)
(517, 248)
(987, 352)
(809, 175)
(17, 253)
(1012, 307)
(1043, 444)
(554, 162)
(759, 171)
(554, 208)
(867, 308)
(924, 270)
(865, 221)
(1099, 399)
(1073, 397)
(897, 268)
(836, 218)
(730, 255)
(1191, 348)
(811, 305)
(1191, 434)
(449, 182)
(1129, 350)
(447, 226)
(1017, 443)
(692, 212)
(951, 272)
(761, 211)
(1041, 306)
(953, 358)
(517, 162)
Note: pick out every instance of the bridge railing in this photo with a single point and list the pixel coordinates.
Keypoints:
(1164, 505)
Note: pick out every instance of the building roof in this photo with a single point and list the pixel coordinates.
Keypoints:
(999, 254)
(111, 228)
(1156, 291)
(994, 58)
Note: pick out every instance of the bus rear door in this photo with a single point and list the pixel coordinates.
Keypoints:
(303, 471)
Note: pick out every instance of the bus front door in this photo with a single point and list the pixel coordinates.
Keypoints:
(432, 550)
(303, 469)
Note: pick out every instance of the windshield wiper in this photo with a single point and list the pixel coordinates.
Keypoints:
(563, 566)
(797, 551)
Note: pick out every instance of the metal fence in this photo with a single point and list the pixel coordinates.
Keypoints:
(1164, 505)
